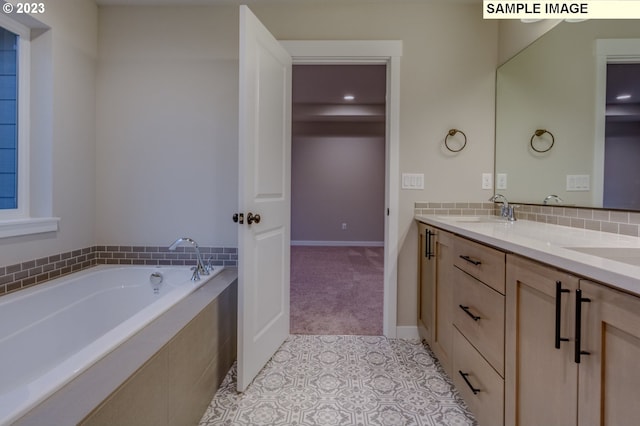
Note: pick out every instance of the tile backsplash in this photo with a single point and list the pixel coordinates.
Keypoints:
(26, 274)
(613, 221)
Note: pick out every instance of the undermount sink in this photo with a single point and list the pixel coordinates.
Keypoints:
(629, 255)
(472, 219)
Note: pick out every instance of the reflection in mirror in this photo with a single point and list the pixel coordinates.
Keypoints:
(559, 83)
(622, 137)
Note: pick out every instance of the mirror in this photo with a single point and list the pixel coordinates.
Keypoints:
(558, 84)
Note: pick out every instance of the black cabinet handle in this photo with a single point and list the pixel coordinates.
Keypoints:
(468, 312)
(559, 291)
(579, 301)
(464, 376)
(428, 250)
(470, 260)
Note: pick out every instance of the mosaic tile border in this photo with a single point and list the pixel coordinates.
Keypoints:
(26, 274)
(612, 221)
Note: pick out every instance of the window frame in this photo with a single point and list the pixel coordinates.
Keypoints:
(22, 221)
(23, 98)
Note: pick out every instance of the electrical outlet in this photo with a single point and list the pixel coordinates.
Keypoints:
(501, 181)
(487, 181)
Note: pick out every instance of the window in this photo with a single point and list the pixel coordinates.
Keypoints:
(25, 194)
(8, 119)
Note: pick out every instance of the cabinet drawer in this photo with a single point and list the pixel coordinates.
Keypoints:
(484, 263)
(487, 402)
(479, 315)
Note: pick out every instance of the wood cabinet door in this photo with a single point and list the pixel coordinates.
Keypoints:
(610, 373)
(541, 381)
(442, 338)
(426, 283)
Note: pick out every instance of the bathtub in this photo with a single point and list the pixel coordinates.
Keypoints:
(51, 333)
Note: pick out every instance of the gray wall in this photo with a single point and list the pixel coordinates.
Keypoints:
(335, 180)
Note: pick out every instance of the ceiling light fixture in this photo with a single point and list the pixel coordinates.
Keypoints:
(623, 97)
(349, 97)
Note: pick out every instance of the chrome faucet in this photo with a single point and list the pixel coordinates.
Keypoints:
(507, 211)
(200, 268)
(552, 197)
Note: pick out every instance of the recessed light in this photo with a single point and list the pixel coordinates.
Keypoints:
(623, 96)
(349, 97)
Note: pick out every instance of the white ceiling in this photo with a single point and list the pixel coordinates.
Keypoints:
(249, 2)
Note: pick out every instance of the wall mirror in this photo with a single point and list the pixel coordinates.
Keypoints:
(559, 84)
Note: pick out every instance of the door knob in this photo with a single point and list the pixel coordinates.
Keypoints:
(253, 218)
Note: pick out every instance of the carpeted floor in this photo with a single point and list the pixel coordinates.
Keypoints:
(336, 290)
(343, 380)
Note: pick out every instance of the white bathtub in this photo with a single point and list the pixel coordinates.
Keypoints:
(51, 333)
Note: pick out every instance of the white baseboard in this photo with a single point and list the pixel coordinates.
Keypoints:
(338, 243)
(407, 332)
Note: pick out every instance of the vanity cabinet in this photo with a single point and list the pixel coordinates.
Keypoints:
(478, 352)
(426, 283)
(541, 379)
(526, 343)
(559, 329)
(435, 310)
(609, 375)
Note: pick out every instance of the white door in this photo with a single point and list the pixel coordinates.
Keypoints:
(264, 190)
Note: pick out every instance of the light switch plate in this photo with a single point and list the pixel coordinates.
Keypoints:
(412, 181)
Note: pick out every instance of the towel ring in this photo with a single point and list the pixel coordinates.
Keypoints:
(539, 133)
(453, 132)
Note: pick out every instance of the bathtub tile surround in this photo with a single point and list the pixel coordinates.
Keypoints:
(612, 221)
(343, 380)
(37, 271)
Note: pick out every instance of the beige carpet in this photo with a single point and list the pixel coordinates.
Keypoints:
(336, 290)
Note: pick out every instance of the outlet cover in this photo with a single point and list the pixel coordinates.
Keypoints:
(487, 181)
(501, 181)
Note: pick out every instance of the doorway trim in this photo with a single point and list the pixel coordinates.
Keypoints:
(389, 52)
(607, 51)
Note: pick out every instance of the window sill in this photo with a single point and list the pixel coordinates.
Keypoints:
(37, 225)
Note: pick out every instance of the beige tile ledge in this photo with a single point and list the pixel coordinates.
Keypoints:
(550, 244)
(612, 221)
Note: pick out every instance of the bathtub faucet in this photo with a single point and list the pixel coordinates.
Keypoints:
(200, 268)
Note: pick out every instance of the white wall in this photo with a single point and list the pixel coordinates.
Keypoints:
(70, 129)
(166, 132)
(167, 125)
(158, 64)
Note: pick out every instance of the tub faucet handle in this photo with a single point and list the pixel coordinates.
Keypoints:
(196, 273)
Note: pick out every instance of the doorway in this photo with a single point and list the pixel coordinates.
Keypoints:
(338, 198)
(622, 137)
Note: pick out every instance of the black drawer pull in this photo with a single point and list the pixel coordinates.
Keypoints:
(470, 260)
(428, 251)
(559, 291)
(464, 376)
(468, 312)
(579, 301)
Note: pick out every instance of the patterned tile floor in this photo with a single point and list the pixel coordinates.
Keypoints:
(343, 380)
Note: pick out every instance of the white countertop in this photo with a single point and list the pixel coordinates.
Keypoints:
(551, 244)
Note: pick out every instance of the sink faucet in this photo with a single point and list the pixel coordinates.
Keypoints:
(200, 268)
(552, 197)
(507, 211)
